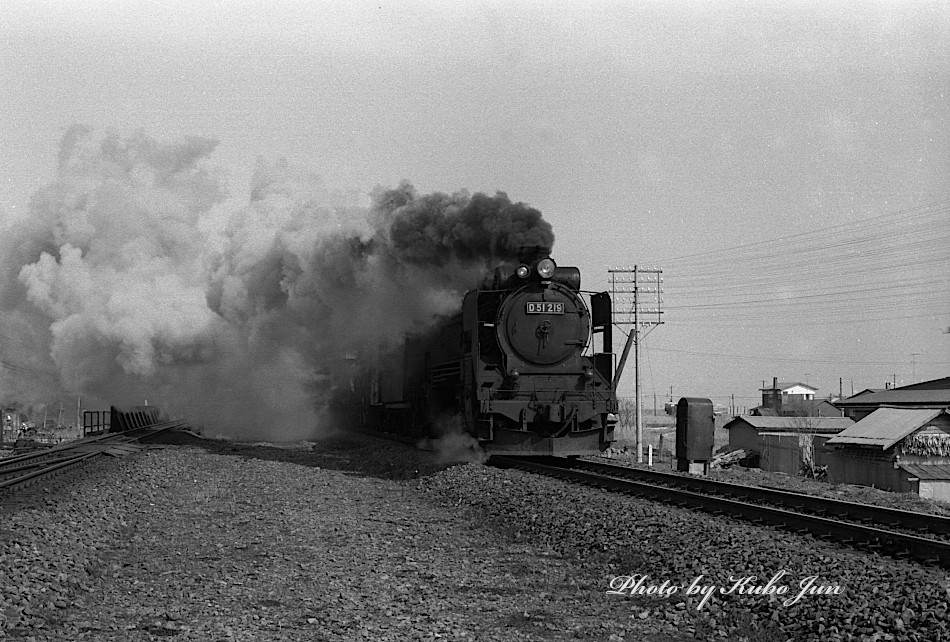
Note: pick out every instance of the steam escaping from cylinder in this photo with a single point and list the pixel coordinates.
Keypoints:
(453, 445)
(136, 276)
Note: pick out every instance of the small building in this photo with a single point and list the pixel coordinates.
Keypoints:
(897, 449)
(793, 399)
(823, 408)
(788, 391)
(934, 394)
(745, 432)
(809, 408)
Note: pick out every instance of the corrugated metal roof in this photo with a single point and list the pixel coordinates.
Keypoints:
(866, 391)
(933, 384)
(795, 424)
(885, 426)
(940, 397)
(927, 471)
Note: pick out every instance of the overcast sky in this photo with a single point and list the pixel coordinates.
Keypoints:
(786, 164)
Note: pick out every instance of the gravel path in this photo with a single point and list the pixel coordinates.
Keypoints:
(362, 539)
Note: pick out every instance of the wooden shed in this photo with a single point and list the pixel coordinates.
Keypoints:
(898, 449)
(745, 431)
(791, 452)
(930, 481)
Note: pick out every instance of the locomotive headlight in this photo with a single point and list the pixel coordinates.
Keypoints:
(514, 374)
(589, 374)
(546, 268)
(523, 271)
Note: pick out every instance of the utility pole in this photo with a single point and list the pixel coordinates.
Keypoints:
(633, 304)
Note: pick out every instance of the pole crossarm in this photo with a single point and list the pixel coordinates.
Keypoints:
(637, 301)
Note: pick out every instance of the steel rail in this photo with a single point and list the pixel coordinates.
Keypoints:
(896, 517)
(9, 470)
(47, 470)
(59, 448)
(63, 456)
(899, 544)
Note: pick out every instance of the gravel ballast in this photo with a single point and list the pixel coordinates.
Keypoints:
(357, 538)
(264, 543)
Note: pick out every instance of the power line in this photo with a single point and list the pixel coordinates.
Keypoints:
(848, 228)
(887, 267)
(833, 361)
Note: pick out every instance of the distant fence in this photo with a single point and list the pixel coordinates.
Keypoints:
(96, 422)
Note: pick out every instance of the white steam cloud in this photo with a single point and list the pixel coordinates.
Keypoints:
(122, 285)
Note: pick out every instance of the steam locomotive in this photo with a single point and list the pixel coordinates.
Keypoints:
(510, 369)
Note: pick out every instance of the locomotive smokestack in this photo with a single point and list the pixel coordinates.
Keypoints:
(532, 253)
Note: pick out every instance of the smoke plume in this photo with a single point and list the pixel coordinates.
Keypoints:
(137, 277)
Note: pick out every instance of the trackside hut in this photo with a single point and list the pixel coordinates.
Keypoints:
(897, 449)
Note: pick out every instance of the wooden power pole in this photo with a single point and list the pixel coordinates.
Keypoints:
(637, 303)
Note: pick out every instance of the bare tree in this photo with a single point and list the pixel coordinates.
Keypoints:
(626, 415)
(807, 427)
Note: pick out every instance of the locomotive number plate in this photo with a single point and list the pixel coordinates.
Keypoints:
(543, 307)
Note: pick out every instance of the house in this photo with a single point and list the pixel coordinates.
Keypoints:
(787, 399)
(898, 449)
(746, 431)
(932, 394)
(812, 408)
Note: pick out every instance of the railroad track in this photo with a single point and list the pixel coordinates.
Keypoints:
(856, 524)
(23, 470)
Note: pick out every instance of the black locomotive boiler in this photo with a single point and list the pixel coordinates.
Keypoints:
(511, 369)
